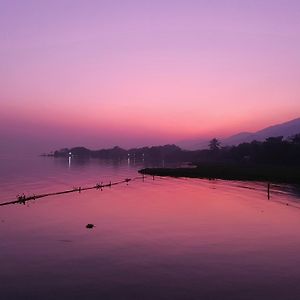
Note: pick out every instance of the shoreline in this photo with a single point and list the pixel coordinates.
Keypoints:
(276, 174)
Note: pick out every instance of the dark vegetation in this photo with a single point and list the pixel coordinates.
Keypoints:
(275, 159)
(170, 153)
(274, 150)
(231, 171)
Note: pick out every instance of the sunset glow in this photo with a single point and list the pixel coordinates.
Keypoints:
(133, 73)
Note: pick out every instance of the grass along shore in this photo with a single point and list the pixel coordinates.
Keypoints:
(267, 173)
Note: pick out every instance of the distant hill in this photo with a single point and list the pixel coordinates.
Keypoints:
(274, 150)
(284, 129)
(194, 144)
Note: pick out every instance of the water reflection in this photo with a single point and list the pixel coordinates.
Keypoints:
(162, 239)
(78, 171)
(91, 162)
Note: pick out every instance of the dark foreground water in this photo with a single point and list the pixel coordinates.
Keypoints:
(161, 239)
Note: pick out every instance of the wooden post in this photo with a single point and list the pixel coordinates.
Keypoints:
(268, 191)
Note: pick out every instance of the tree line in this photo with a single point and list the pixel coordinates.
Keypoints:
(274, 150)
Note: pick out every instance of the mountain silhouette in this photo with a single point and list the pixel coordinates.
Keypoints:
(285, 129)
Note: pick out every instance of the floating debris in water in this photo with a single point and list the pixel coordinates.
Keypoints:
(90, 226)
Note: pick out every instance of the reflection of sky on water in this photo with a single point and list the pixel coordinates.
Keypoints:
(70, 169)
(157, 239)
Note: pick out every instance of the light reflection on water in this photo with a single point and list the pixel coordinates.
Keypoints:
(162, 239)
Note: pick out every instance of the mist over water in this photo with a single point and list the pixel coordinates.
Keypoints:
(157, 239)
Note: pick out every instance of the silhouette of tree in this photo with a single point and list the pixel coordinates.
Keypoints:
(295, 139)
(214, 144)
(274, 139)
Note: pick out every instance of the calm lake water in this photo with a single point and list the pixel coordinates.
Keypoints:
(157, 239)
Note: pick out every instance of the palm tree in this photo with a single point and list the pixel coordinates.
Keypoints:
(214, 144)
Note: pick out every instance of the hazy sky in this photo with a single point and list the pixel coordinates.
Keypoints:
(101, 73)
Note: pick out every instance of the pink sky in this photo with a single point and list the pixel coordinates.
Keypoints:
(132, 73)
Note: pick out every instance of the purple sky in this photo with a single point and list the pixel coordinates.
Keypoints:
(132, 73)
